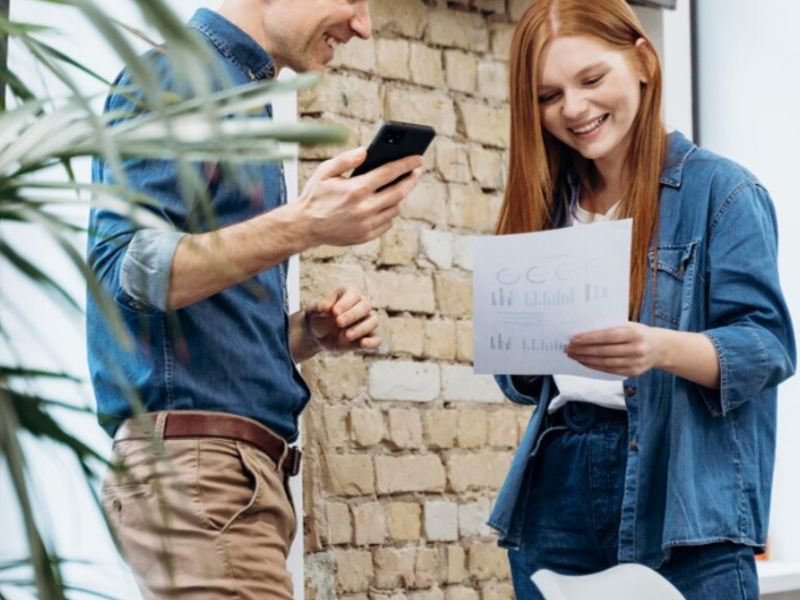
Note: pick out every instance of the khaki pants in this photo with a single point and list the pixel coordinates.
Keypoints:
(201, 518)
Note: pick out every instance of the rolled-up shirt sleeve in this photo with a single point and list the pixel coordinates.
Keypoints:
(146, 270)
(749, 322)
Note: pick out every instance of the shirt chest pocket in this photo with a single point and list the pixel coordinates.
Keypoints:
(674, 279)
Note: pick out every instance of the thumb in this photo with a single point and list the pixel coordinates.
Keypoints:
(338, 165)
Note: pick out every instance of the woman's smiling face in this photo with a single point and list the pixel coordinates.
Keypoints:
(589, 95)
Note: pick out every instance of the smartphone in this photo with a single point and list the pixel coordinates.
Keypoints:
(395, 140)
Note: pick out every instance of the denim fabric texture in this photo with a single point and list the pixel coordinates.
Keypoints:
(228, 353)
(577, 532)
(699, 462)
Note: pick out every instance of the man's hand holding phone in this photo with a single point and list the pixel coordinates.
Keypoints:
(343, 212)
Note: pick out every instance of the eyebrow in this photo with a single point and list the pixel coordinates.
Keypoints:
(578, 75)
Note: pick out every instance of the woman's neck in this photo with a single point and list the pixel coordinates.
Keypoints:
(609, 186)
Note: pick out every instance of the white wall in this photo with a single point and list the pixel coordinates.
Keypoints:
(47, 338)
(749, 95)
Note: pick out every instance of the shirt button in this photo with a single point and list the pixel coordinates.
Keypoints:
(633, 446)
(682, 271)
(630, 391)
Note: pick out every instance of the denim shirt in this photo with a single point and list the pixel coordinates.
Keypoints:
(230, 352)
(700, 461)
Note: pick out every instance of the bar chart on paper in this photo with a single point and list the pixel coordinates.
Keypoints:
(532, 292)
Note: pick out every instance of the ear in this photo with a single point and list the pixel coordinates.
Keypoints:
(646, 58)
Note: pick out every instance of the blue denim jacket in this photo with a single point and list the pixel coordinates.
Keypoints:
(702, 465)
(230, 352)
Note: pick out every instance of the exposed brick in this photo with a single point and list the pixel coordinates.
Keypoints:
(490, 6)
(322, 253)
(464, 344)
(353, 570)
(441, 521)
(406, 18)
(487, 167)
(461, 593)
(493, 80)
(369, 523)
(472, 518)
(427, 202)
(461, 71)
(501, 36)
(496, 590)
(401, 291)
(335, 418)
(345, 95)
(516, 8)
(473, 429)
(336, 377)
(410, 474)
(326, 151)
(440, 339)
(350, 475)
(452, 161)
(366, 426)
(428, 108)
(368, 250)
(394, 568)
(426, 66)
(340, 530)
(462, 384)
(441, 427)
(484, 124)
(456, 29)
(406, 335)
(405, 428)
(436, 248)
(488, 561)
(453, 294)
(356, 54)
(477, 471)
(404, 519)
(392, 58)
(404, 380)
(456, 564)
(426, 568)
(503, 429)
(400, 246)
(431, 594)
(469, 208)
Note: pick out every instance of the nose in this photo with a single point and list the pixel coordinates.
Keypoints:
(575, 105)
(361, 23)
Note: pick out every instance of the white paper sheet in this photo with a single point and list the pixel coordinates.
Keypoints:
(534, 291)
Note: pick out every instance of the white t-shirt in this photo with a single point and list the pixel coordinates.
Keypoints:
(587, 389)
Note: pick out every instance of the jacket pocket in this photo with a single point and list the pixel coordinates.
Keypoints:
(674, 277)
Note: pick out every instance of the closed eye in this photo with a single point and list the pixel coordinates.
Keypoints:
(593, 80)
(547, 98)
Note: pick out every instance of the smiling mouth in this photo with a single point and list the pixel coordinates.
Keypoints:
(589, 127)
(332, 42)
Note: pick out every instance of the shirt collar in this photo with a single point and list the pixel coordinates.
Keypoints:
(234, 44)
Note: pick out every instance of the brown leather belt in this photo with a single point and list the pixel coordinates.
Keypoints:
(186, 424)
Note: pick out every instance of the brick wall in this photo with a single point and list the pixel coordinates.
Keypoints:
(407, 448)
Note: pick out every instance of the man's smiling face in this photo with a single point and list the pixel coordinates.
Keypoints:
(303, 34)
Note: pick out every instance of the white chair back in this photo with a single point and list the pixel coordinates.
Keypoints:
(623, 582)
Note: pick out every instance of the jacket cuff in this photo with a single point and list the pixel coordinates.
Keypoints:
(512, 393)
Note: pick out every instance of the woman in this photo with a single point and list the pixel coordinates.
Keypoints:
(672, 467)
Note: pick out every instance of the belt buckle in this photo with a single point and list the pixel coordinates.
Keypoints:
(579, 417)
(294, 458)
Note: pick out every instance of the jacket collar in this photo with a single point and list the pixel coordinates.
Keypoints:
(234, 44)
(678, 151)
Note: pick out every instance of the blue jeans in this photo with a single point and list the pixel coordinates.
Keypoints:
(573, 515)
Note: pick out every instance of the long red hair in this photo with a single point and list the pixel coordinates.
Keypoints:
(537, 193)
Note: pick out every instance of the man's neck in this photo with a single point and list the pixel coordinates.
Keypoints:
(244, 15)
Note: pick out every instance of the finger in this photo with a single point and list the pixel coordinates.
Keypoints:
(370, 343)
(346, 298)
(395, 194)
(358, 312)
(599, 350)
(341, 164)
(363, 328)
(616, 335)
(377, 178)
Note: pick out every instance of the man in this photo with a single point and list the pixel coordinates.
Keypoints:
(201, 508)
